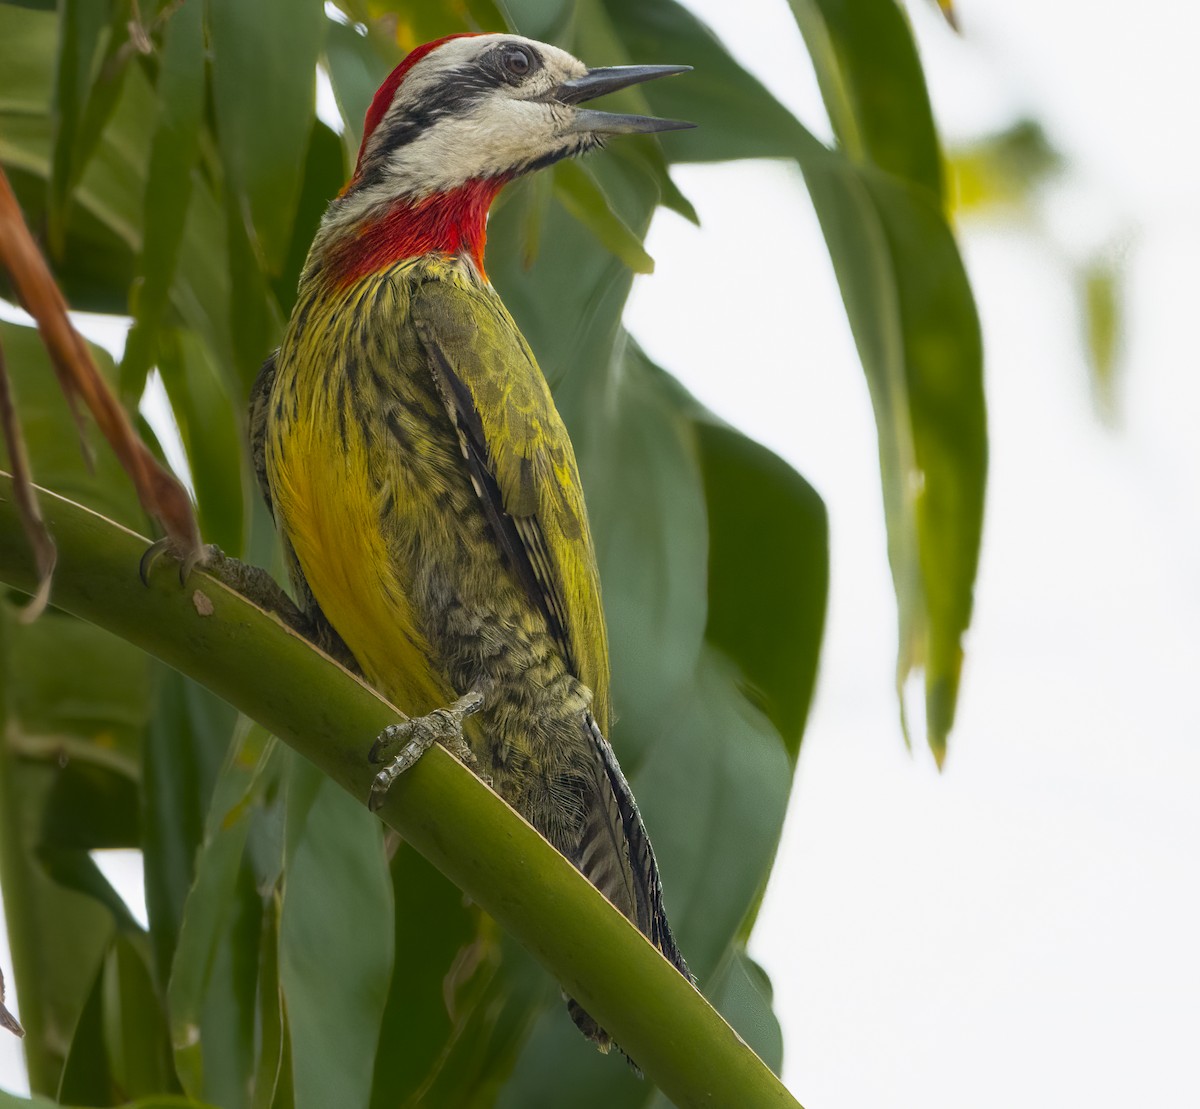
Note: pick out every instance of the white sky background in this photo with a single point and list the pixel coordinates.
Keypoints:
(1021, 929)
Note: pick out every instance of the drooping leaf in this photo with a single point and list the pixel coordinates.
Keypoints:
(173, 153)
(335, 941)
(871, 81)
(914, 321)
(734, 114)
(212, 987)
(272, 1032)
(768, 574)
(186, 739)
(324, 174)
(264, 60)
(135, 1026)
(87, 1076)
(210, 425)
(582, 196)
(429, 998)
(85, 89)
(917, 331)
(742, 992)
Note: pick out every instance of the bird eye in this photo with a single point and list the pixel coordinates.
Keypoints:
(517, 61)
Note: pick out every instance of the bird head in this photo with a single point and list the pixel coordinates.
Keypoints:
(472, 107)
(460, 117)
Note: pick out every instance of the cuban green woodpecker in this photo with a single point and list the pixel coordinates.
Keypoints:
(421, 478)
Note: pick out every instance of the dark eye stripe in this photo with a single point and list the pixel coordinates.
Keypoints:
(455, 94)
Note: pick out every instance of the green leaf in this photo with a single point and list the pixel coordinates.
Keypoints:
(1101, 282)
(263, 65)
(28, 42)
(11, 1101)
(911, 311)
(645, 498)
(583, 197)
(356, 69)
(871, 81)
(210, 425)
(87, 1076)
(734, 114)
(742, 993)
(429, 1002)
(324, 172)
(1005, 168)
(81, 47)
(768, 574)
(53, 441)
(541, 19)
(80, 692)
(135, 1027)
(335, 941)
(272, 1018)
(173, 153)
(210, 995)
(512, 992)
(917, 331)
(256, 323)
(186, 740)
(91, 806)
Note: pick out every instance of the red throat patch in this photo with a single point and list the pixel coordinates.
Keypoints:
(451, 222)
(387, 91)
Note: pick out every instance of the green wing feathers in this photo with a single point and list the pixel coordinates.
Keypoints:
(522, 462)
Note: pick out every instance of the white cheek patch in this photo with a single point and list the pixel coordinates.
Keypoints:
(507, 128)
(498, 135)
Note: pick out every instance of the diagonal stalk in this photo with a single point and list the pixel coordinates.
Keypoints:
(269, 672)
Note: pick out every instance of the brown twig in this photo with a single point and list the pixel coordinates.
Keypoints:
(159, 491)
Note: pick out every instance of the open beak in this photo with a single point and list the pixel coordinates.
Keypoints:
(598, 82)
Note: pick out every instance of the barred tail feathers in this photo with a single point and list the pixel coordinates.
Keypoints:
(615, 855)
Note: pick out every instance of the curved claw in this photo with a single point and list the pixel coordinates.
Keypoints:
(390, 735)
(153, 553)
(198, 556)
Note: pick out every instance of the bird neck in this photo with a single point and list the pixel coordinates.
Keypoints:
(450, 222)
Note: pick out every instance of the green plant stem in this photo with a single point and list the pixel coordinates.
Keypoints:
(270, 673)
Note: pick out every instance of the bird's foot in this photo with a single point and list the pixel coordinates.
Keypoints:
(444, 726)
(188, 561)
(252, 582)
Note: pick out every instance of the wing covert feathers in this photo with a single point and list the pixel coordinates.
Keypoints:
(522, 464)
